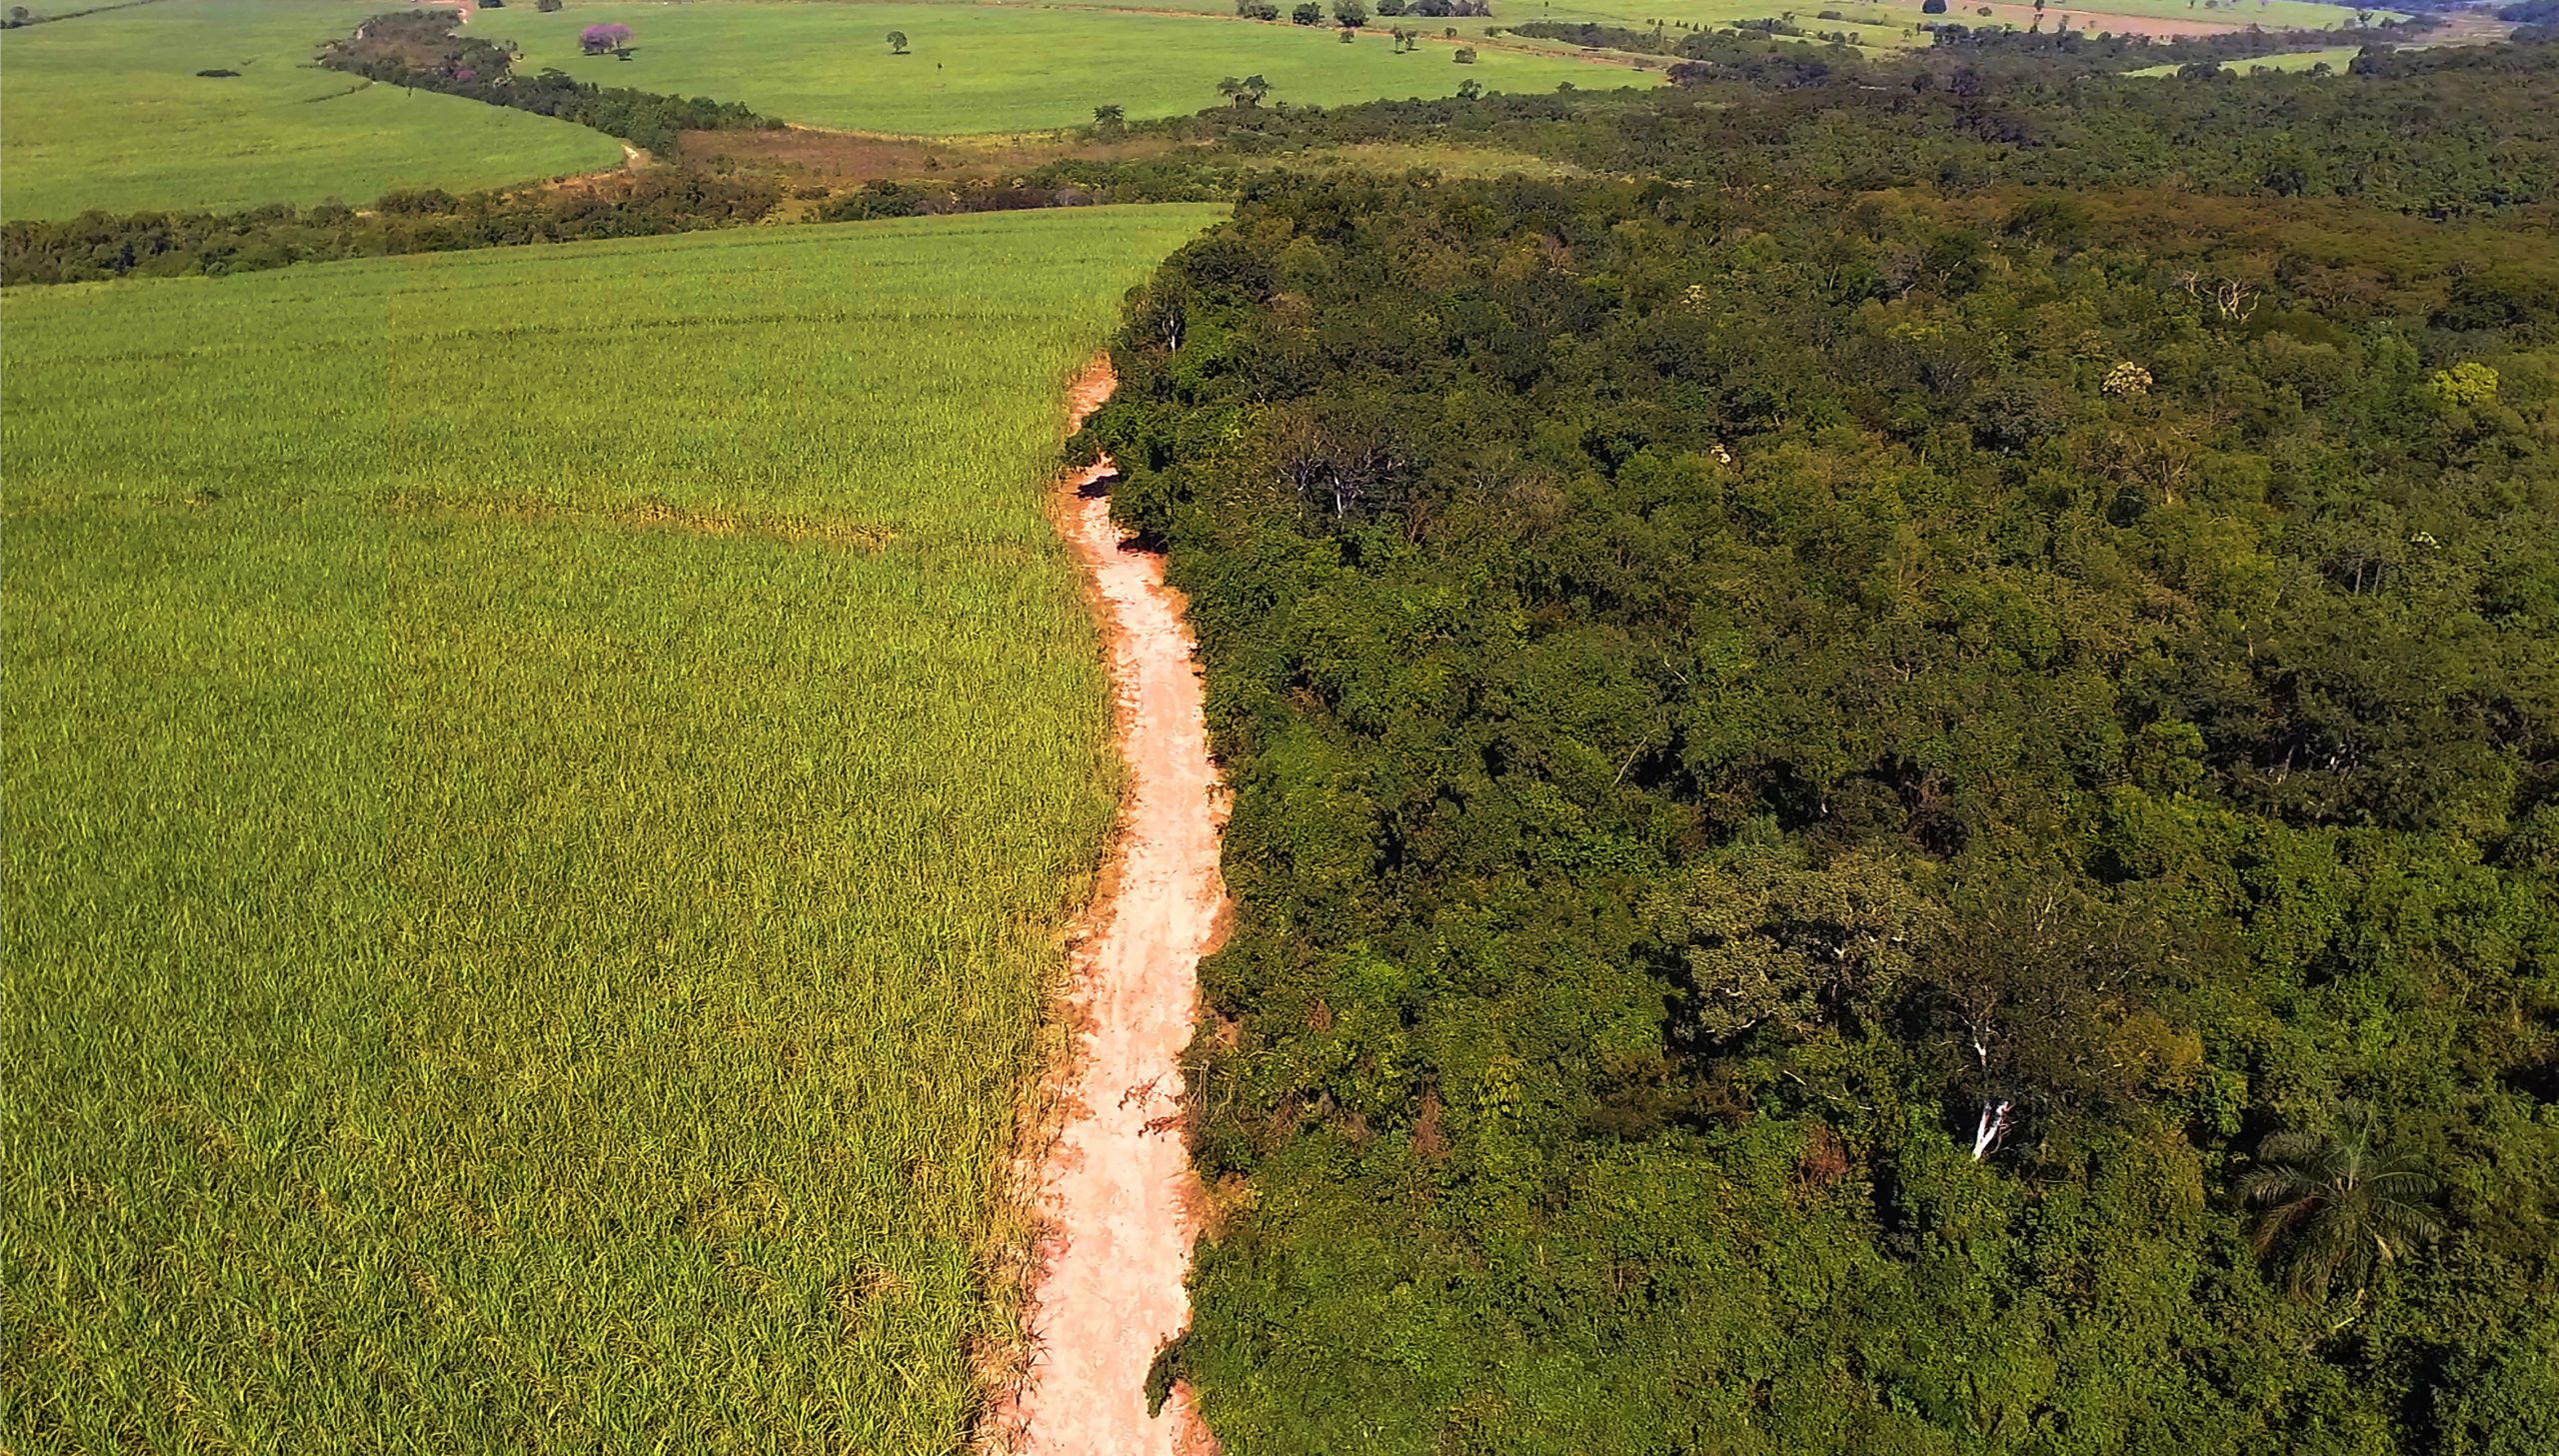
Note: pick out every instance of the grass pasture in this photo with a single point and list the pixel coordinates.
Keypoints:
(541, 788)
(2337, 59)
(979, 69)
(107, 111)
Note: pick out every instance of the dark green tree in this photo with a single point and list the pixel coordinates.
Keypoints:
(897, 42)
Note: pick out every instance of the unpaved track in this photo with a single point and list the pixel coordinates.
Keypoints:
(1116, 1196)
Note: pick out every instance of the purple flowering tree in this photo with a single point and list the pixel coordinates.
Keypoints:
(596, 40)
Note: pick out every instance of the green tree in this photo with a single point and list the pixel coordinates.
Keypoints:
(897, 42)
(1245, 92)
(1109, 118)
(1350, 14)
(2337, 1205)
(1307, 13)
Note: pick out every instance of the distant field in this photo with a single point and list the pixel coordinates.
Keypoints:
(542, 787)
(981, 69)
(107, 111)
(2336, 57)
(1888, 24)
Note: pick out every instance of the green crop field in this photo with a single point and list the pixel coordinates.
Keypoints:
(107, 111)
(981, 69)
(541, 788)
(2337, 58)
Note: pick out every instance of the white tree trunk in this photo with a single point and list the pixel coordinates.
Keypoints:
(1994, 1121)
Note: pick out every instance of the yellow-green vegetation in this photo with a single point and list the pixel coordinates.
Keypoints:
(108, 111)
(1442, 158)
(2335, 58)
(543, 784)
(976, 69)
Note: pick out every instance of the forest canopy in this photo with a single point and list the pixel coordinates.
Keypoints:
(1823, 778)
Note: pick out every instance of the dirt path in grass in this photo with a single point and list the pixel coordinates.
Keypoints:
(1116, 1196)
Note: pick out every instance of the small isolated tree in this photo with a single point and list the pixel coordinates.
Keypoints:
(1469, 89)
(598, 40)
(897, 42)
(1109, 118)
(1246, 93)
(1465, 55)
(1350, 14)
(546, 6)
(2337, 1205)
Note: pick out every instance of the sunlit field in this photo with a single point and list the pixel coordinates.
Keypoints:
(107, 111)
(979, 69)
(543, 788)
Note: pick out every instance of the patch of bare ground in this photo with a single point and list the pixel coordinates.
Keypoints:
(1118, 1203)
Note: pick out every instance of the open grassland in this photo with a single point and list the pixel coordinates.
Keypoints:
(982, 69)
(542, 790)
(107, 111)
(2337, 58)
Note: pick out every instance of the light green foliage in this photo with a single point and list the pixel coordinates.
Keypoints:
(2464, 384)
(542, 785)
(1769, 937)
(979, 69)
(2335, 58)
(107, 111)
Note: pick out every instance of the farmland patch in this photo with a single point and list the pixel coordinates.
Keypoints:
(543, 788)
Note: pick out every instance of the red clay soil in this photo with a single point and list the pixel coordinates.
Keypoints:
(1118, 1202)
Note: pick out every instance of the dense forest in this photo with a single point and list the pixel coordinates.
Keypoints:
(1910, 821)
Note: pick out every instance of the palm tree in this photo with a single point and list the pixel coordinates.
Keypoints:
(2335, 1204)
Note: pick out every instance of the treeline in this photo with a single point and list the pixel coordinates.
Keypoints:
(156, 245)
(1937, 119)
(1767, 53)
(2138, 52)
(421, 49)
(97, 245)
(2052, 50)
(1846, 809)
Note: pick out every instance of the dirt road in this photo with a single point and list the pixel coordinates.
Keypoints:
(1117, 1194)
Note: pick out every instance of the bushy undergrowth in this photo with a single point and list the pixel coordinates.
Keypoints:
(1739, 699)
